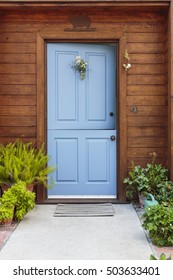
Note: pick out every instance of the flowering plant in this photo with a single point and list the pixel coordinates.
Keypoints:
(80, 65)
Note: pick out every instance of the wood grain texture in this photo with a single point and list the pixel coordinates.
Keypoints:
(143, 31)
(147, 100)
(147, 132)
(148, 90)
(170, 90)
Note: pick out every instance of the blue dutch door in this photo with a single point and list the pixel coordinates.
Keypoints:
(82, 119)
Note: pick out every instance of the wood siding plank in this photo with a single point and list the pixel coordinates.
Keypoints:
(147, 131)
(17, 58)
(17, 89)
(145, 111)
(18, 111)
(148, 58)
(17, 100)
(147, 79)
(144, 48)
(18, 132)
(145, 152)
(20, 121)
(147, 69)
(15, 37)
(147, 142)
(146, 37)
(17, 79)
(17, 48)
(147, 100)
(147, 121)
(17, 68)
(147, 90)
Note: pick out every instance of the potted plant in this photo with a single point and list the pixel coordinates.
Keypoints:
(16, 202)
(164, 193)
(136, 182)
(7, 204)
(6, 214)
(21, 162)
(158, 220)
(25, 200)
(145, 180)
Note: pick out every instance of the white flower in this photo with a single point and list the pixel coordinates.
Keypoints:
(80, 65)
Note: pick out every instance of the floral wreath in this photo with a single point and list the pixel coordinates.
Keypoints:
(80, 65)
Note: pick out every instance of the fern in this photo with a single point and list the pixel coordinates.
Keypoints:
(21, 161)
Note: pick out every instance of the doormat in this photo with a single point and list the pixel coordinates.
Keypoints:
(84, 210)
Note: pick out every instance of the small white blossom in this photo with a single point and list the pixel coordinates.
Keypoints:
(80, 65)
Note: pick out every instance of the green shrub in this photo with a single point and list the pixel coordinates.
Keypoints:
(21, 162)
(158, 220)
(18, 199)
(151, 179)
(25, 200)
(6, 213)
(136, 182)
(164, 193)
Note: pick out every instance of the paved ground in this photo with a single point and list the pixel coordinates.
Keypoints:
(5, 233)
(42, 236)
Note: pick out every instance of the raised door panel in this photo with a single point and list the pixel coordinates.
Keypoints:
(81, 104)
(85, 160)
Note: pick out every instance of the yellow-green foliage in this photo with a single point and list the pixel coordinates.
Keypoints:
(21, 162)
(16, 199)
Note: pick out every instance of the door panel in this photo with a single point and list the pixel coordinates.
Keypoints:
(79, 121)
(81, 104)
(85, 162)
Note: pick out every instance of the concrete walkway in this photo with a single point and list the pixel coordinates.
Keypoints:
(41, 236)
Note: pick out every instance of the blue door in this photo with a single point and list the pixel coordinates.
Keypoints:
(81, 122)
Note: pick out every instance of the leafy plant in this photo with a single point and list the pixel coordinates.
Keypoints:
(158, 220)
(16, 199)
(21, 162)
(7, 203)
(6, 213)
(164, 193)
(137, 181)
(146, 180)
(162, 257)
(25, 200)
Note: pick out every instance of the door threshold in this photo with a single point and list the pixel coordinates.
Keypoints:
(81, 196)
(83, 200)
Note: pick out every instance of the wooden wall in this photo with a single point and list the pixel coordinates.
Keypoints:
(17, 80)
(147, 89)
(147, 85)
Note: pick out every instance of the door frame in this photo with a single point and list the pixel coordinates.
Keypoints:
(61, 36)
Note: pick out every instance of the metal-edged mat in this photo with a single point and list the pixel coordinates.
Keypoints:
(84, 210)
